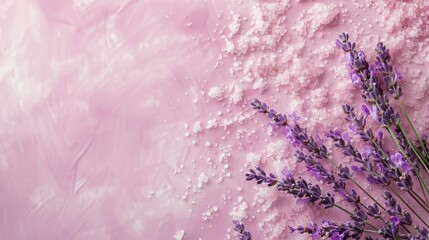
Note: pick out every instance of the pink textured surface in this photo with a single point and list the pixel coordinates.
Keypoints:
(131, 119)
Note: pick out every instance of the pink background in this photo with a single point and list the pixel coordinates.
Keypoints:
(131, 119)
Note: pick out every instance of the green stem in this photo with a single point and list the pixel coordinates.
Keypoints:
(401, 105)
(369, 224)
(416, 152)
(360, 187)
(409, 161)
(371, 231)
(343, 209)
(419, 200)
(369, 195)
(422, 202)
(418, 216)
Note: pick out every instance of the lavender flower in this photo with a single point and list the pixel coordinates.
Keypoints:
(391, 76)
(296, 134)
(239, 228)
(300, 188)
(377, 164)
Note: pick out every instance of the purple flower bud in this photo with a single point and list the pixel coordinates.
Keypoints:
(355, 168)
(344, 37)
(374, 211)
(347, 138)
(395, 220)
(355, 77)
(379, 136)
(328, 201)
(295, 117)
(361, 56)
(367, 151)
(286, 173)
(396, 159)
(365, 111)
(338, 44)
(352, 197)
(239, 228)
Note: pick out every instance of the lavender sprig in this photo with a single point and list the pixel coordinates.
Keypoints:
(391, 77)
(364, 75)
(377, 164)
(300, 138)
(239, 228)
(300, 188)
(297, 135)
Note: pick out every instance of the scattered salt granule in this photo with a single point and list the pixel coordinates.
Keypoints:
(212, 123)
(236, 94)
(321, 94)
(265, 197)
(321, 15)
(265, 31)
(254, 158)
(234, 26)
(297, 76)
(215, 93)
(226, 123)
(239, 212)
(229, 46)
(180, 235)
(272, 226)
(276, 150)
(210, 214)
(202, 179)
(197, 127)
(225, 154)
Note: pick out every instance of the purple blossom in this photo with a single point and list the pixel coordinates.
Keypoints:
(239, 228)
(300, 188)
(391, 75)
(374, 162)
(398, 161)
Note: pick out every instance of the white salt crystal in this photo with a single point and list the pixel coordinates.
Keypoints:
(237, 95)
(210, 214)
(215, 93)
(229, 48)
(202, 179)
(276, 150)
(253, 158)
(239, 212)
(180, 235)
(235, 25)
(197, 127)
(212, 123)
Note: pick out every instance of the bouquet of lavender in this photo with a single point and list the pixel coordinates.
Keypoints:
(400, 171)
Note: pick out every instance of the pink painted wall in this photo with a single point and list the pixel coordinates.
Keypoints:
(131, 119)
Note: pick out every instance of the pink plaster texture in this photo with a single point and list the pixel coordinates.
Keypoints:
(123, 120)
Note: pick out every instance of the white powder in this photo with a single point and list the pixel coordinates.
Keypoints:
(253, 158)
(210, 214)
(322, 15)
(197, 127)
(212, 123)
(215, 93)
(239, 212)
(180, 235)
(236, 95)
(202, 179)
(229, 48)
(276, 150)
(235, 24)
